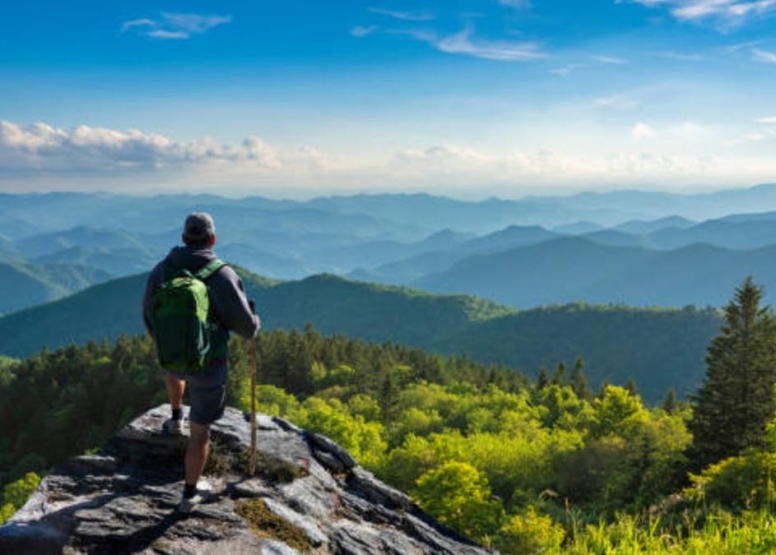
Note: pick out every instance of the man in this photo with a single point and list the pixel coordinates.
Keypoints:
(207, 388)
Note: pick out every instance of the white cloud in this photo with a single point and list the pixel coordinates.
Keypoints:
(764, 56)
(83, 148)
(568, 68)
(742, 45)
(461, 166)
(138, 23)
(194, 23)
(762, 133)
(642, 131)
(176, 25)
(404, 16)
(723, 14)
(617, 101)
(162, 34)
(443, 155)
(609, 60)
(679, 56)
(41, 155)
(464, 43)
(361, 31)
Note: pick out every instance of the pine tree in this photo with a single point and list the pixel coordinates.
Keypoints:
(559, 377)
(579, 381)
(602, 388)
(542, 380)
(670, 402)
(631, 387)
(736, 401)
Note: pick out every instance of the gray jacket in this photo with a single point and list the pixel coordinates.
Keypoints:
(226, 290)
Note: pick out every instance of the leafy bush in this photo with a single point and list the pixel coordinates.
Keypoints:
(530, 533)
(742, 482)
(458, 495)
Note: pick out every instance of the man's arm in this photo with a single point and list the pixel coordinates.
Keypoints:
(232, 306)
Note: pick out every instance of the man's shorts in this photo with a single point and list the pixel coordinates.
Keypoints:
(207, 394)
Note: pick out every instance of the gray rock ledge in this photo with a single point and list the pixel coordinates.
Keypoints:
(124, 499)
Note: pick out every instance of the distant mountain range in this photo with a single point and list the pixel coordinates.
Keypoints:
(603, 247)
(659, 348)
(571, 269)
(429, 261)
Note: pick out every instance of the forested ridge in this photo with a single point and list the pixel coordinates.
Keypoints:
(547, 465)
(658, 347)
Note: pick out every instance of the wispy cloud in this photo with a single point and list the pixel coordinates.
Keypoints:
(743, 45)
(723, 14)
(423, 15)
(609, 60)
(679, 56)
(363, 31)
(175, 25)
(465, 43)
(138, 23)
(767, 131)
(601, 59)
(764, 56)
(617, 101)
(567, 69)
(518, 4)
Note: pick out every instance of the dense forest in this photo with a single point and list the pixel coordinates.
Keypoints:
(548, 465)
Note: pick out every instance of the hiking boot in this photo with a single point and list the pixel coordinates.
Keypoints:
(201, 494)
(173, 427)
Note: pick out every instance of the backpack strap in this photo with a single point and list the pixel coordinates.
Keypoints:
(210, 269)
(171, 270)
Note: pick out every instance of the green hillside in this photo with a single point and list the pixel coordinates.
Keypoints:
(660, 348)
(24, 284)
(333, 304)
(370, 312)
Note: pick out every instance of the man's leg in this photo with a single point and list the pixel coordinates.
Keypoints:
(207, 394)
(175, 389)
(196, 452)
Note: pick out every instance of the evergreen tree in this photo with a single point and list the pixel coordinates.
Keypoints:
(579, 381)
(736, 401)
(389, 399)
(559, 377)
(602, 389)
(670, 402)
(542, 380)
(631, 387)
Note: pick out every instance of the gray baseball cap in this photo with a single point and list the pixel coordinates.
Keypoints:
(199, 227)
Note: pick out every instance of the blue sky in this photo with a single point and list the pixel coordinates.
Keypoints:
(464, 98)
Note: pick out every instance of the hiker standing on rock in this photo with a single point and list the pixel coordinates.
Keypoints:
(191, 303)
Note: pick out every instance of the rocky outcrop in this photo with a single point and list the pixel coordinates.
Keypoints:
(308, 496)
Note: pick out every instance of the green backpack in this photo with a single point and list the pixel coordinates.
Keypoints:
(180, 311)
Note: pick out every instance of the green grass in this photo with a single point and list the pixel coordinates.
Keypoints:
(719, 533)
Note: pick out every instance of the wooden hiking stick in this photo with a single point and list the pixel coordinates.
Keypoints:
(252, 458)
